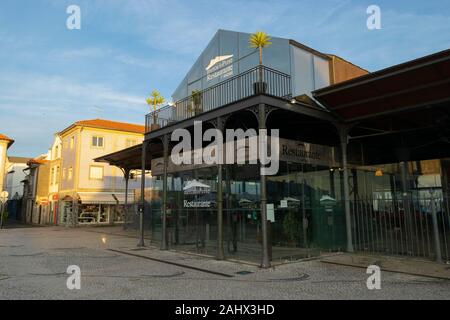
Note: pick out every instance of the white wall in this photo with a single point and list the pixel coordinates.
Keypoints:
(113, 141)
(3, 147)
(309, 72)
(13, 180)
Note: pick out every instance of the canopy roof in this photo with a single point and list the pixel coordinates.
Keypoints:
(418, 83)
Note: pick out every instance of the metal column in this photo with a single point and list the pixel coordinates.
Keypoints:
(126, 173)
(164, 199)
(343, 134)
(265, 261)
(220, 254)
(142, 207)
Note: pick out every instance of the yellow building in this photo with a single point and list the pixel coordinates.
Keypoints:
(89, 192)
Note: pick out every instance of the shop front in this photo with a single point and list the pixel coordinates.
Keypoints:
(93, 208)
(304, 201)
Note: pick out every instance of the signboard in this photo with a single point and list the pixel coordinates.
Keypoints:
(289, 151)
(220, 66)
(270, 212)
(307, 153)
(283, 204)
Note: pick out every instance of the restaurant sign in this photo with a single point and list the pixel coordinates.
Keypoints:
(289, 151)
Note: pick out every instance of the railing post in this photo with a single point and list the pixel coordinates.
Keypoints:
(437, 238)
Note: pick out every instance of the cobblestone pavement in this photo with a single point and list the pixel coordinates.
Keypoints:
(33, 264)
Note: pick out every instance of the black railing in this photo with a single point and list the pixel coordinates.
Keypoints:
(258, 80)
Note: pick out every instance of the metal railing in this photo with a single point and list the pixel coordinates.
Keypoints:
(417, 227)
(258, 80)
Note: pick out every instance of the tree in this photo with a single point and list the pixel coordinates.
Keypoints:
(154, 101)
(259, 40)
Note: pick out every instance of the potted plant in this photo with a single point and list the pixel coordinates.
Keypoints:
(154, 101)
(197, 101)
(259, 40)
(291, 227)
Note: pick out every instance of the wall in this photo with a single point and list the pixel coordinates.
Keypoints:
(69, 159)
(13, 180)
(237, 57)
(343, 70)
(113, 141)
(3, 148)
(55, 153)
(309, 71)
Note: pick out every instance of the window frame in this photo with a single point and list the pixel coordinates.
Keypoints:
(100, 167)
(97, 139)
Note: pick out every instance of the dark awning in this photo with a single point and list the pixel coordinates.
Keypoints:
(130, 158)
(419, 83)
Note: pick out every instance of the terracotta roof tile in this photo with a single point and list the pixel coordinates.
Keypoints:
(36, 161)
(5, 138)
(112, 125)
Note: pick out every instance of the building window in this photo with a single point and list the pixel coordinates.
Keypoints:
(56, 152)
(72, 142)
(64, 173)
(97, 142)
(95, 173)
(57, 175)
(70, 173)
(130, 143)
(52, 176)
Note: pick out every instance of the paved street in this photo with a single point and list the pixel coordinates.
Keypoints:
(33, 263)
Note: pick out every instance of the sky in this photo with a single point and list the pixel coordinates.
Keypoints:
(51, 76)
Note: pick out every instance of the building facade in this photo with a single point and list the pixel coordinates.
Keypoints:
(363, 157)
(15, 167)
(35, 191)
(5, 143)
(89, 193)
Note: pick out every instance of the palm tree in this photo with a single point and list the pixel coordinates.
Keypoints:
(260, 40)
(155, 100)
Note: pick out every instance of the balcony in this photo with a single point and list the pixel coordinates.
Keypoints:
(244, 85)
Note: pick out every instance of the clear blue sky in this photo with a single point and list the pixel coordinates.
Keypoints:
(51, 76)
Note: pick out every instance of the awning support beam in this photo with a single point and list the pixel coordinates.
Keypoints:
(142, 206)
(165, 141)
